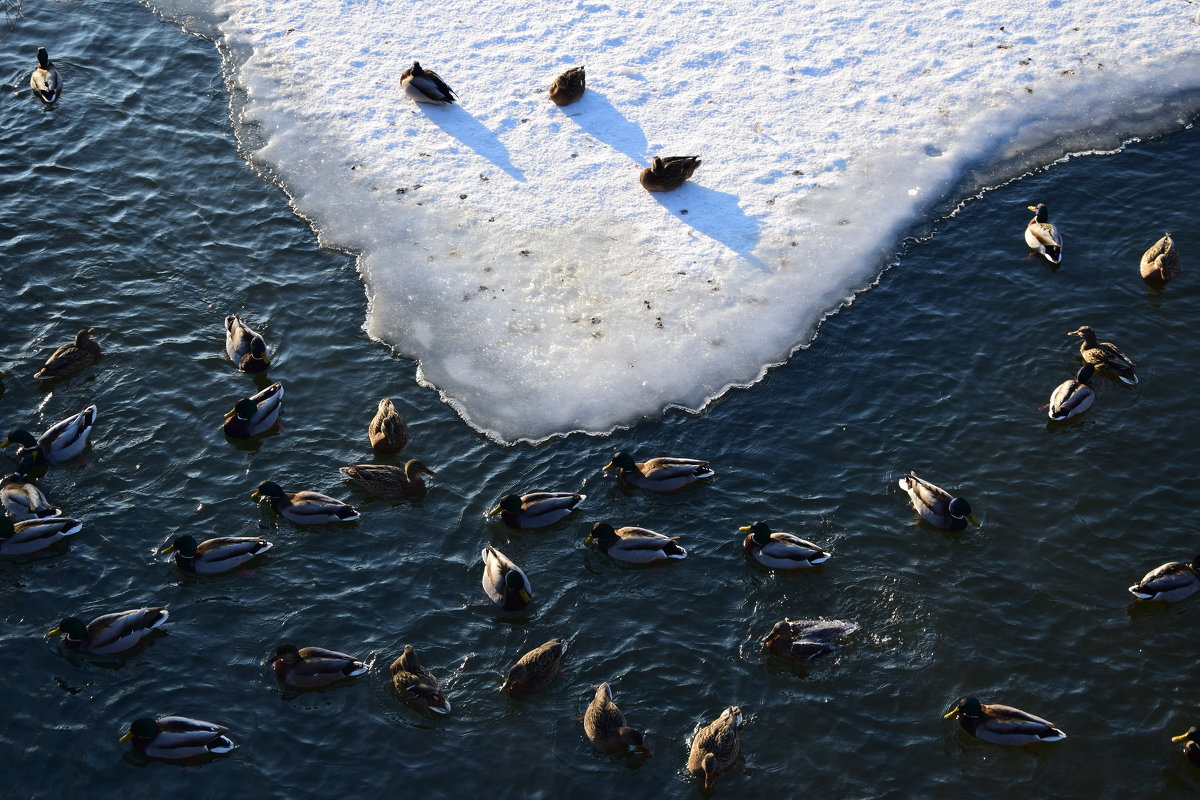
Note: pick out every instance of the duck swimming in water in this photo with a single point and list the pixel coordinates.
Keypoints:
(1043, 236)
(44, 81)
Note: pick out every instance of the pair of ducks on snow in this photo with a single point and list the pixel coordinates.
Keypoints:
(1159, 264)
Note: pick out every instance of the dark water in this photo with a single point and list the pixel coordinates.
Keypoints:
(128, 208)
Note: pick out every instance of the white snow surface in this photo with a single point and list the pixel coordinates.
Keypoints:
(506, 244)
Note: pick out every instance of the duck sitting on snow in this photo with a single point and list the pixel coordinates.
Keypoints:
(568, 87)
(665, 174)
(1043, 236)
(44, 81)
(425, 86)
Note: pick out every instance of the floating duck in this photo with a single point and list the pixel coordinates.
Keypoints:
(1002, 724)
(389, 482)
(664, 474)
(178, 737)
(1072, 398)
(425, 86)
(61, 442)
(214, 556)
(388, 431)
(537, 509)
(44, 81)
(1169, 583)
(256, 414)
(665, 174)
(504, 582)
(535, 670)
(568, 87)
(1161, 263)
(1106, 357)
(1190, 748)
(416, 684)
(33, 535)
(605, 725)
(806, 639)
(1043, 236)
(23, 500)
(778, 550)
(110, 633)
(245, 348)
(715, 747)
(305, 508)
(635, 545)
(935, 505)
(313, 667)
(71, 358)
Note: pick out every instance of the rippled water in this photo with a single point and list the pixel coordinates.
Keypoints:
(129, 209)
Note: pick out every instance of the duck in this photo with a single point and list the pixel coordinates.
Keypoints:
(110, 633)
(1160, 263)
(568, 87)
(255, 415)
(779, 550)
(1106, 357)
(245, 348)
(504, 582)
(806, 639)
(665, 174)
(1190, 748)
(605, 727)
(1072, 398)
(178, 737)
(305, 508)
(425, 86)
(45, 81)
(937, 506)
(23, 500)
(1169, 583)
(537, 509)
(1001, 724)
(635, 545)
(62, 441)
(313, 667)
(416, 684)
(214, 556)
(1044, 236)
(535, 670)
(390, 482)
(716, 747)
(663, 474)
(71, 358)
(388, 432)
(34, 535)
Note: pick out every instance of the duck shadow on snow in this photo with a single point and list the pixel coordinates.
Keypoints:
(459, 123)
(601, 120)
(717, 215)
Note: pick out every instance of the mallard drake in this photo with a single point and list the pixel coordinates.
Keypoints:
(805, 639)
(416, 684)
(111, 633)
(61, 442)
(935, 505)
(504, 582)
(256, 414)
(1190, 748)
(178, 737)
(664, 474)
(71, 358)
(388, 431)
(635, 545)
(535, 670)
(1161, 263)
(1169, 583)
(44, 81)
(1072, 398)
(779, 550)
(1044, 236)
(23, 500)
(568, 87)
(1106, 357)
(537, 509)
(305, 508)
(214, 556)
(605, 725)
(313, 667)
(715, 747)
(33, 535)
(245, 348)
(665, 174)
(425, 86)
(389, 482)
(1002, 724)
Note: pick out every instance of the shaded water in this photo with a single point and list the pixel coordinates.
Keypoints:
(129, 209)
